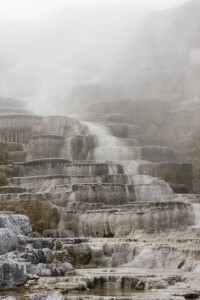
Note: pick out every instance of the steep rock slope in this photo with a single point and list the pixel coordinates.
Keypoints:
(111, 182)
(118, 174)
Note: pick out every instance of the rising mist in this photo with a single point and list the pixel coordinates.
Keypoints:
(48, 49)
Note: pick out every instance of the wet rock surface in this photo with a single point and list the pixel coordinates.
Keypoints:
(104, 204)
(115, 217)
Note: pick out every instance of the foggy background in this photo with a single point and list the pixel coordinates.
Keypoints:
(49, 47)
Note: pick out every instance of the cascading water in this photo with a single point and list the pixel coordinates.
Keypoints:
(112, 148)
(110, 209)
(93, 188)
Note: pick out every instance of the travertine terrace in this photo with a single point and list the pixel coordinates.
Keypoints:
(103, 202)
(112, 207)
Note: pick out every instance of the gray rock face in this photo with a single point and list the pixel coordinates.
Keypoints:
(36, 256)
(68, 266)
(12, 274)
(23, 258)
(45, 270)
(9, 240)
(19, 224)
(43, 243)
(14, 233)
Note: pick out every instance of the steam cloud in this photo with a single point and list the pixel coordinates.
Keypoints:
(47, 49)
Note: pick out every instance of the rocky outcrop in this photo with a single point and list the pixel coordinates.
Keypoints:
(12, 274)
(9, 241)
(19, 224)
(14, 232)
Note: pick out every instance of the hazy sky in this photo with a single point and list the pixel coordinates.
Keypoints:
(24, 9)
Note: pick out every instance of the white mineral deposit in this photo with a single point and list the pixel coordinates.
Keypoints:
(99, 149)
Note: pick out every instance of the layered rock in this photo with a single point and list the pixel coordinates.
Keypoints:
(118, 173)
(110, 182)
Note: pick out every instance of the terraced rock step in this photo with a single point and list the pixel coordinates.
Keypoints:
(110, 199)
(49, 180)
(172, 172)
(43, 182)
(105, 203)
(18, 127)
(105, 118)
(148, 153)
(109, 282)
(110, 222)
(57, 166)
(49, 146)
(12, 190)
